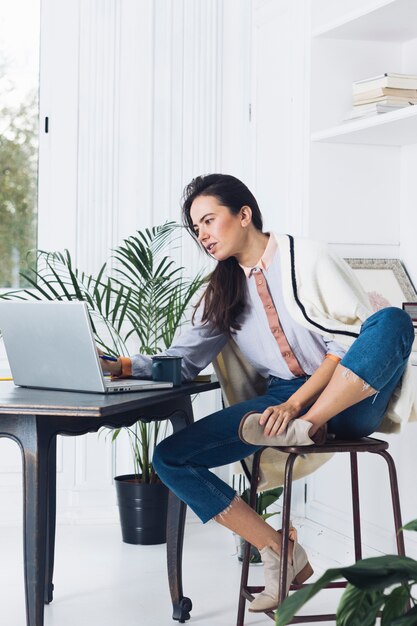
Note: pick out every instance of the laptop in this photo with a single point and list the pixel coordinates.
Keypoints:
(50, 345)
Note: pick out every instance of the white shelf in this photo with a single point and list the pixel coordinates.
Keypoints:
(396, 128)
(390, 20)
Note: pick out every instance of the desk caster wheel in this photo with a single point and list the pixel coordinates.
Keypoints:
(182, 610)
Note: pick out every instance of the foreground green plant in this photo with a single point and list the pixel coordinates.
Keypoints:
(380, 584)
(141, 301)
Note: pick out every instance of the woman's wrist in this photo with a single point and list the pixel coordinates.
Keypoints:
(115, 367)
(308, 393)
(296, 403)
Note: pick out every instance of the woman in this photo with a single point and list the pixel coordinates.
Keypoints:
(300, 317)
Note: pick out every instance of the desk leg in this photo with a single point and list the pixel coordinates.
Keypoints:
(175, 530)
(34, 446)
(51, 522)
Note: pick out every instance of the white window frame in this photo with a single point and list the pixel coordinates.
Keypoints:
(58, 101)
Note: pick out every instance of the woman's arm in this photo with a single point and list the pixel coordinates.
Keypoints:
(276, 418)
(197, 345)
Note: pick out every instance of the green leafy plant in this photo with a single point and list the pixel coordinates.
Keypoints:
(18, 182)
(139, 297)
(143, 438)
(378, 585)
(264, 499)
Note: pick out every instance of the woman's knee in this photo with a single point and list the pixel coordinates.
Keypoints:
(162, 457)
(403, 323)
(395, 316)
(397, 323)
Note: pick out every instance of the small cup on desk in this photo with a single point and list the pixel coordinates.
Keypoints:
(167, 368)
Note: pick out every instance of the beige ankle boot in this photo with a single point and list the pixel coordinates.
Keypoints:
(296, 433)
(297, 572)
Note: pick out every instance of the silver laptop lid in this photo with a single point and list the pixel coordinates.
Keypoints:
(51, 345)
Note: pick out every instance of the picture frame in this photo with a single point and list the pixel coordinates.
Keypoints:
(411, 309)
(385, 280)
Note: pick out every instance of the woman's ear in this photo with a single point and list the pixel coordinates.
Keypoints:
(245, 216)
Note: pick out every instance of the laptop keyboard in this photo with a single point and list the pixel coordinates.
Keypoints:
(119, 383)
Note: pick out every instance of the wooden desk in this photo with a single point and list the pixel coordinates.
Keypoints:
(33, 418)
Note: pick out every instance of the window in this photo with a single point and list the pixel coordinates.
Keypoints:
(19, 88)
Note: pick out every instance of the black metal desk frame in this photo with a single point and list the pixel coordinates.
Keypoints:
(33, 418)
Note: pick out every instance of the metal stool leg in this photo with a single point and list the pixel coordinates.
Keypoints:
(246, 555)
(286, 514)
(395, 496)
(355, 505)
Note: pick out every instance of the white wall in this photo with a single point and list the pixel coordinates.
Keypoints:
(141, 96)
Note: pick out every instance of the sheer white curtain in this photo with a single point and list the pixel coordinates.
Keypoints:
(140, 97)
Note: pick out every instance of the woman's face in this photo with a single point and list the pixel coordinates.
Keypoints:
(222, 233)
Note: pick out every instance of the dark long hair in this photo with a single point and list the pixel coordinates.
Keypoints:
(225, 294)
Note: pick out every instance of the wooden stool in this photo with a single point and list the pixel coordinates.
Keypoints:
(367, 444)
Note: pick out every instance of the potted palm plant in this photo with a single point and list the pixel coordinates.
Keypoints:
(141, 302)
(141, 496)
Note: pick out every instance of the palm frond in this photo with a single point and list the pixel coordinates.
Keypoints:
(143, 299)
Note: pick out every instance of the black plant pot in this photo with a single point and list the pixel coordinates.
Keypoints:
(143, 510)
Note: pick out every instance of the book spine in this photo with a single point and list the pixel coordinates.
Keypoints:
(385, 91)
(386, 100)
(384, 82)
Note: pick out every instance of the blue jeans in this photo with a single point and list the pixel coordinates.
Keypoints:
(183, 460)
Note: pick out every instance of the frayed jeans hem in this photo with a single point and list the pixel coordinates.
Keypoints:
(222, 510)
(226, 510)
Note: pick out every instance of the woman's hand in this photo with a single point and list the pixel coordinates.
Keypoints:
(110, 367)
(276, 418)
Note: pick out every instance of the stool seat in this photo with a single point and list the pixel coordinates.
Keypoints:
(331, 446)
(366, 444)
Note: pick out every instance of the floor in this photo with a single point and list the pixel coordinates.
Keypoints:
(100, 581)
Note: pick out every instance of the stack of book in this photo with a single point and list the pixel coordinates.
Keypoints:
(383, 93)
